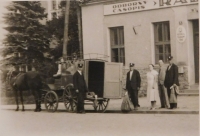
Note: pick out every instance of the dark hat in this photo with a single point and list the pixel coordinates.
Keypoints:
(131, 64)
(80, 65)
(170, 57)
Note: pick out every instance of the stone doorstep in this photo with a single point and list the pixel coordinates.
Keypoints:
(195, 86)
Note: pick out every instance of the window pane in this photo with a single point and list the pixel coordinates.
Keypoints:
(161, 57)
(160, 49)
(157, 49)
(115, 55)
(121, 36)
(112, 37)
(115, 37)
(167, 49)
(160, 36)
(157, 58)
(166, 31)
(122, 55)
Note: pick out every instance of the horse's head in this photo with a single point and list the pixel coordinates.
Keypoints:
(11, 75)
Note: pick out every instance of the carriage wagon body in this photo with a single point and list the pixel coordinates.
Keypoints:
(103, 79)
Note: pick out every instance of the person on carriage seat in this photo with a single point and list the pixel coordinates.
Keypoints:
(58, 74)
(80, 88)
(64, 67)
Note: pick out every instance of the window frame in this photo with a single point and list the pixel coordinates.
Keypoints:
(165, 40)
(119, 45)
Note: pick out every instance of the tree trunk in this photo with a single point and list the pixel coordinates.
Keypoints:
(80, 31)
(65, 40)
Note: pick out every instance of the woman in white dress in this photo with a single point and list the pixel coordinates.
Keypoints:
(152, 86)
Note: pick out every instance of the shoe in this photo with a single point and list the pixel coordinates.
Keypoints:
(57, 75)
(136, 108)
(161, 107)
(81, 112)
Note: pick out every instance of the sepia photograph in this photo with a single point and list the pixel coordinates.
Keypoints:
(99, 68)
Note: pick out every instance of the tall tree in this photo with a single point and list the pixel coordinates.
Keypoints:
(56, 28)
(26, 34)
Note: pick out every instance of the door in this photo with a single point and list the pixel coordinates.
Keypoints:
(196, 49)
(112, 80)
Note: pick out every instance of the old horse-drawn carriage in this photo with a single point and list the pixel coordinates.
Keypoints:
(104, 80)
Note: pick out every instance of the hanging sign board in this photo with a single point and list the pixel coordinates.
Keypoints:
(140, 5)
(180, 34)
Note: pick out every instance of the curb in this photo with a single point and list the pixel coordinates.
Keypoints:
(188, 94)
(153, 112)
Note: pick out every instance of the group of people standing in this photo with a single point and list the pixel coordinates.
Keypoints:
(159, 84)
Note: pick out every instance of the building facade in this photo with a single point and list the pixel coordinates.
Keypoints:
(52, 8)
(143, 32)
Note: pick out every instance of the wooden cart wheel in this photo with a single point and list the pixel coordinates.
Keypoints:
(70, 98)
(51, 101)
(101, 105)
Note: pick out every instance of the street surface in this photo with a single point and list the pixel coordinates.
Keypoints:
(61, 123)
(111, 123)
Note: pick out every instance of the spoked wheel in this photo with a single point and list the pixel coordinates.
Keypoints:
(51, 101)
(70, 98)
(101, 105)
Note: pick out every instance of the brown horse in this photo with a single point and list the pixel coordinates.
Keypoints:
(30, 80)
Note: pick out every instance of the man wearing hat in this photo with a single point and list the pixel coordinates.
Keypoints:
(80, 87)
(133, 82)
(171, 79)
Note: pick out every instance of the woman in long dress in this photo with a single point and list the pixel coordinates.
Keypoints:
(152, 86)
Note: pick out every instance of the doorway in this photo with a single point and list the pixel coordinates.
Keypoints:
(96, 77)
(196, 49)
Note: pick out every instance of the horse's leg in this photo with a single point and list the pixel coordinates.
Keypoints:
(39, 99)
(36, 100)
(22, 101)
(16, 98)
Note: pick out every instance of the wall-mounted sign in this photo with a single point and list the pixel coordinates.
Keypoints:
(140, 5)
(181, 34)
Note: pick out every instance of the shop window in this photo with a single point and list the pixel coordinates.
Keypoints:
(117, 44)
(162, 41)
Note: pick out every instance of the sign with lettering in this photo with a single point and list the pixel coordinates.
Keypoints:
(141, 5)
(181, 34)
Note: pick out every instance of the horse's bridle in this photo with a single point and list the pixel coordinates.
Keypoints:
(10, 76)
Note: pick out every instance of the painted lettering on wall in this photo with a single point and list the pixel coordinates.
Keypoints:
(131, 6)
(144, 5)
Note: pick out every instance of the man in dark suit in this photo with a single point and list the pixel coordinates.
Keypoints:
(171, 79)
(133, 82)
(80, 87)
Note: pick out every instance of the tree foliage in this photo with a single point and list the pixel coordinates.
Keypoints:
(56, 28)
(26, 34)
